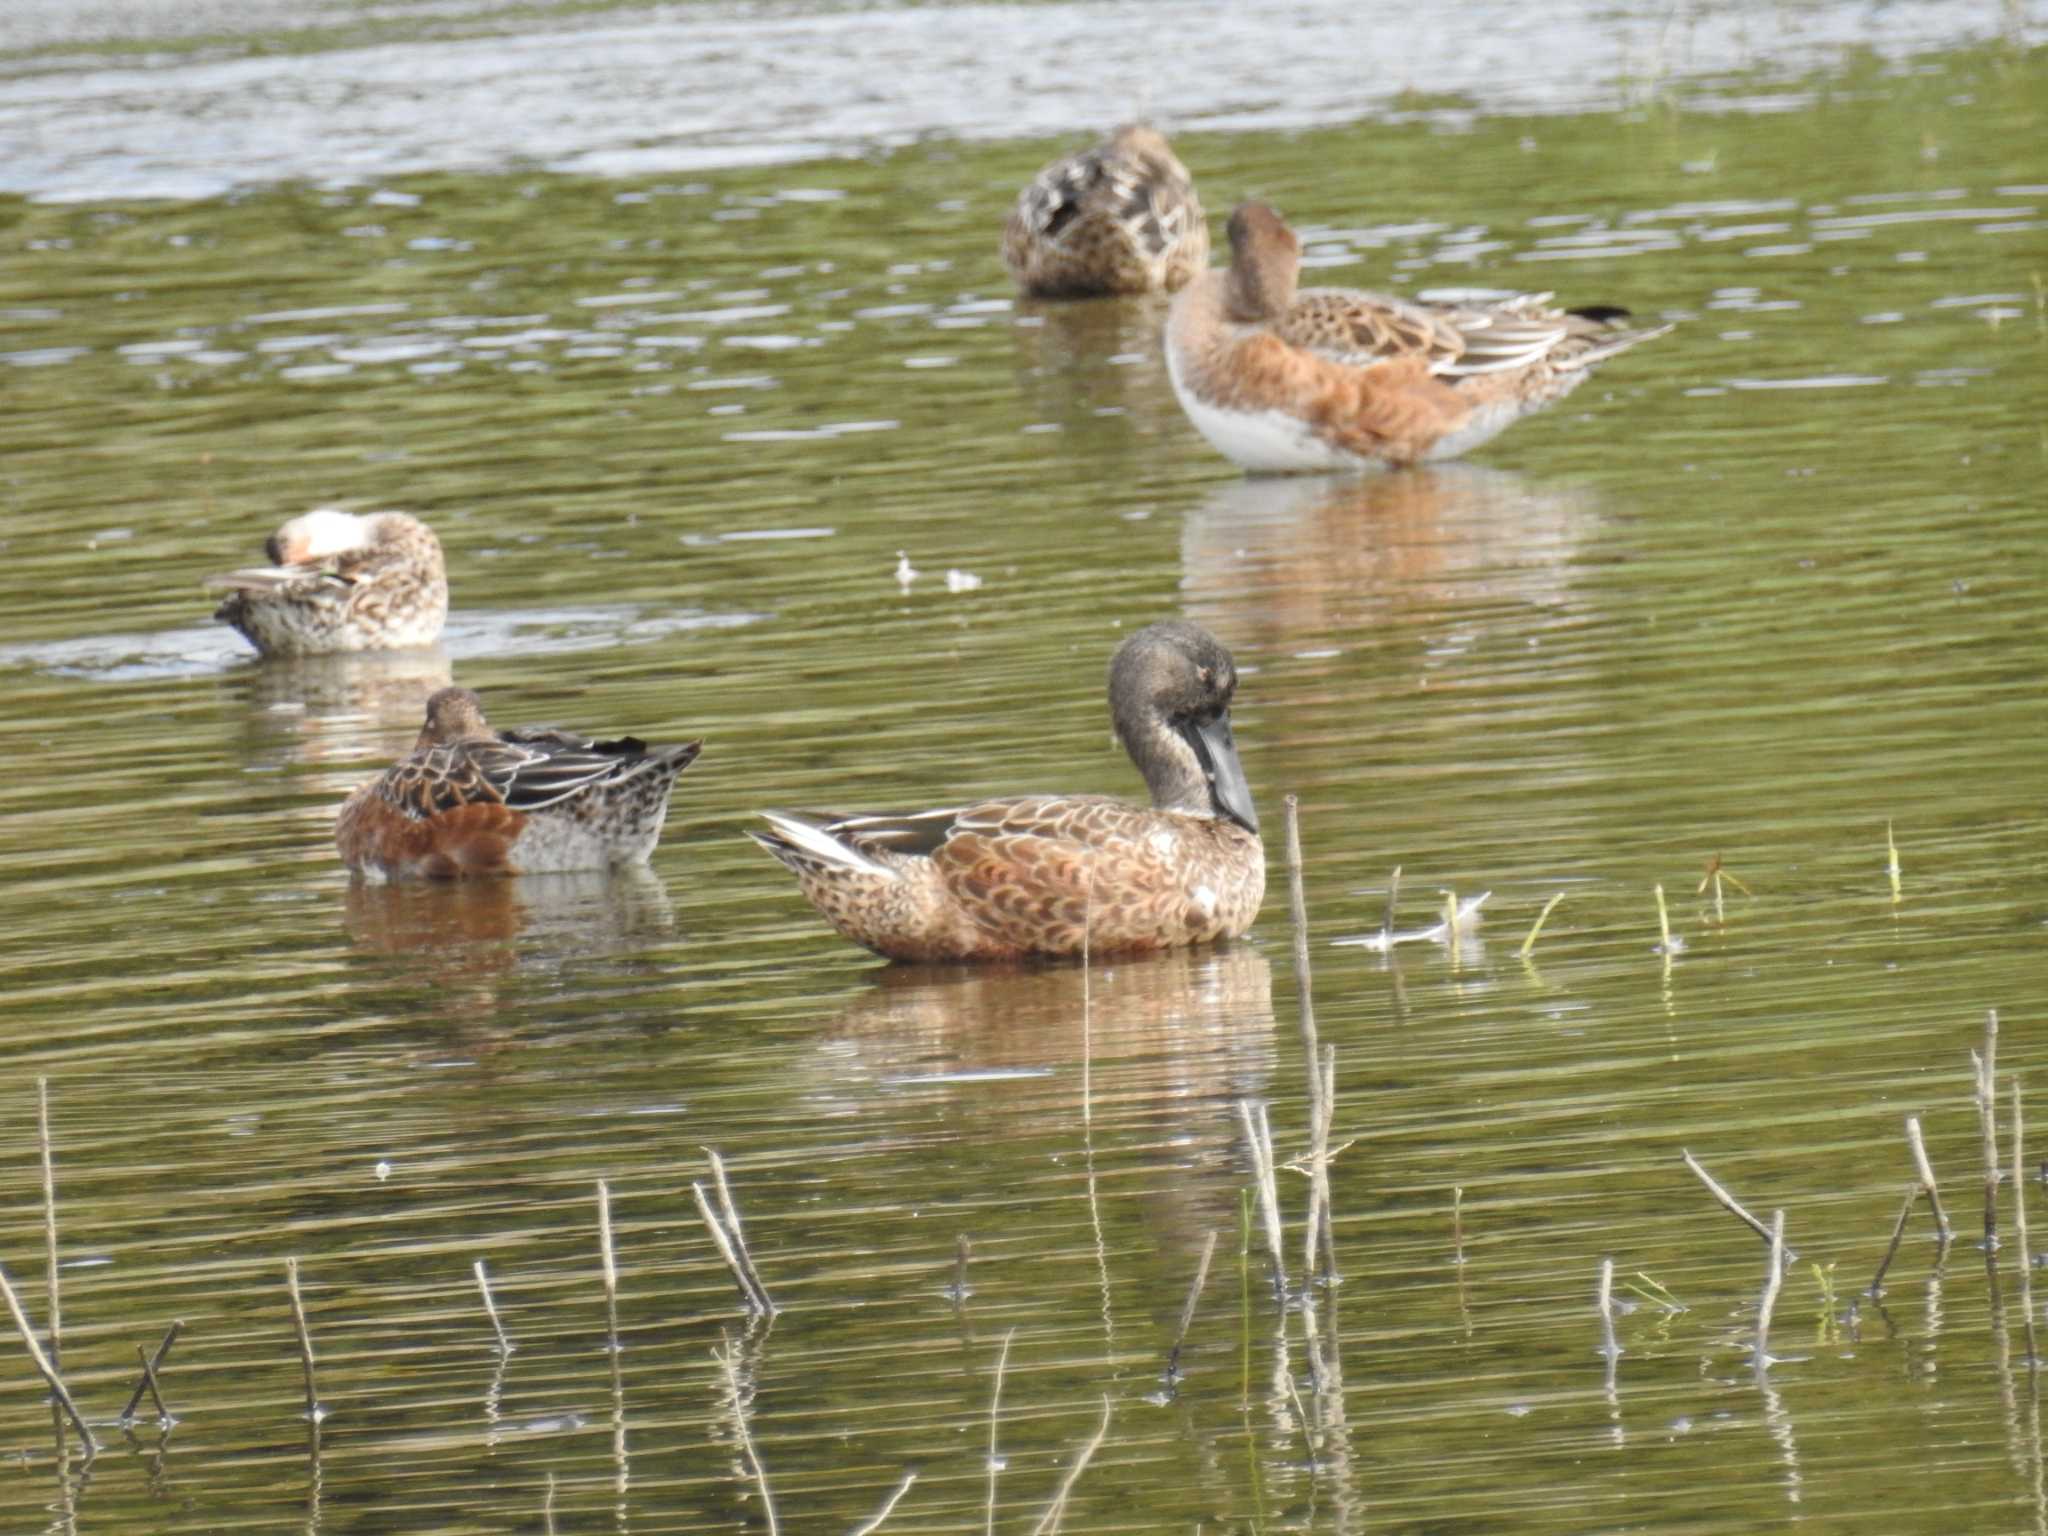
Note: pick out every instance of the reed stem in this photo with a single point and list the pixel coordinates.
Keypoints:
(1187, 1310)
(291, 1280)
(1898, 1232)
(156, 1363)
(1542, 917)
(1728, 1201)
(43, 1365)
(1925, 1170)
(483, 1285)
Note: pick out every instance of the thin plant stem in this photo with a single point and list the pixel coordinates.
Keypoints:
(1542, 917)
(1057, 1510)
(291, 1280)
(42, 1364)
(995, 1405)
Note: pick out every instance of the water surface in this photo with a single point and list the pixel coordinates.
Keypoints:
(1763, 590)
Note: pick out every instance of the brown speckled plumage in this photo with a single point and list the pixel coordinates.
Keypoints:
(1281, 378)
(339, 582)
(1121, 217)
(473, 801)
(1032, 875)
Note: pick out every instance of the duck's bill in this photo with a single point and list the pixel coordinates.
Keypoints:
(1228, 789)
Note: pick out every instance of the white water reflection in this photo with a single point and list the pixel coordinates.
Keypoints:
(474, 635)
(342, 94)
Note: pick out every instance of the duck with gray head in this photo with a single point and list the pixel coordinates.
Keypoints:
(1052, 875)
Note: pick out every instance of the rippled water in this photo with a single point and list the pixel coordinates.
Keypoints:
(1764, 590)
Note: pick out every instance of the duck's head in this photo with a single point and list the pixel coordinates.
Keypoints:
(1265, 264)
(1170, 687)
(316, 535)
(1143, 142)
(325, 532)
(453, 714)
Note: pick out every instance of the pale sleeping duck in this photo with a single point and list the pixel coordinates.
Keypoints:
(340, 582)
(1052, 875)
(1282, 379)
(1121, 217)
(473, 801)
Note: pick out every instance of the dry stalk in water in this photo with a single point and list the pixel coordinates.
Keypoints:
(153, 1365)
(1898, 1232)
(887, 1508)
(1925, 1170)
(49, 1217)
(1259, 1137)
(1728, 1201)
(1311, 1049)
(1608, 1345)
(731, 1241)
(609, 1258)
(729, 1213)
(995, 1405)
(1986, 1066)
(1187, 1311)
(42, 1363)
(291, 1280)
(2019, 1227)
(483, 1285)
(728, 1358)
(1542, 917)
(1057, 1510)
(1769, 1302)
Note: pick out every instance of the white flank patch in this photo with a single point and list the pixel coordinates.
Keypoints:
(555, 844)
(1488, 422)
(1269, 442)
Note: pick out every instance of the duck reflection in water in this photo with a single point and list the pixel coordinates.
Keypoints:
(484, 928)
(342, 708)
(1169, 1043)
(1309, 563)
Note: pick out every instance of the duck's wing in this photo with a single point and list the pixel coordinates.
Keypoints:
(1455, 339)
(1360, 330)
(1027, 867)
(856, 844)
(304, 582)
(522, 771)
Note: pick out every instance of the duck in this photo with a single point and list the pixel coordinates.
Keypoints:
(1120, 217)
(470, 800)
(338, 581)
(1052, 876)
(1282, 379)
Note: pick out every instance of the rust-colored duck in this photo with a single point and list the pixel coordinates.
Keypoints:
(1281, 380)
(474, 801)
